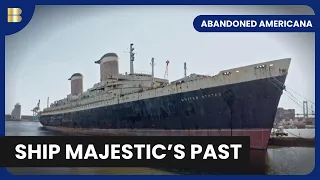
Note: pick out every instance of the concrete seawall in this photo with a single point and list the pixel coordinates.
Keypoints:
(25, 120)
(292, 142)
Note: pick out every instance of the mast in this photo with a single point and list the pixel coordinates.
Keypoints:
(167, 70)
(131, 58)
(185, 69)
(152, 66)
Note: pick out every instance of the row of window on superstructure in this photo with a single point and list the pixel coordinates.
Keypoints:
(256, 67)
(183, 99)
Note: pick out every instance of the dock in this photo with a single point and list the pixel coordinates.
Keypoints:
(292, 142)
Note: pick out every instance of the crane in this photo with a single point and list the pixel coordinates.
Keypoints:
(36, 110)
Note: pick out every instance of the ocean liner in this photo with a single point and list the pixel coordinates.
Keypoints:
(236, 102)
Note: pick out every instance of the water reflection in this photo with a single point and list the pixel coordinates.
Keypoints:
(292, 160)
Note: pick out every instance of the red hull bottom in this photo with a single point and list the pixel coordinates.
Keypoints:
(258, 137)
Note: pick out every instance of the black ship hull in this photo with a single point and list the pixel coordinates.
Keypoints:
(242, 109)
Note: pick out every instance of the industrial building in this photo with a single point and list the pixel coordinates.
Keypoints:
(285, 114)
(16, 112)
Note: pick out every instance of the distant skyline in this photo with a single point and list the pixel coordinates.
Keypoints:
(62, 40)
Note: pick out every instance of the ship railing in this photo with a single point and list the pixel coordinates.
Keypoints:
(95, 99)
(142, 73)
(76, 105)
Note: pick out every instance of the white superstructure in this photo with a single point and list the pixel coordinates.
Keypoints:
(121, 88)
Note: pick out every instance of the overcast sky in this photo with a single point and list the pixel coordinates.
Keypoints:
(62, 40)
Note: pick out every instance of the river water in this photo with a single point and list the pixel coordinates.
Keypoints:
(284, 161)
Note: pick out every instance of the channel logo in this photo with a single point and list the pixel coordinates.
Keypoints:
(14, 15)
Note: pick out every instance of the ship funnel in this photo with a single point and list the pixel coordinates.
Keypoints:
(108, 66)
(76, 84)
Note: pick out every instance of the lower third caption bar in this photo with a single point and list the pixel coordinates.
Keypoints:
(216, 152)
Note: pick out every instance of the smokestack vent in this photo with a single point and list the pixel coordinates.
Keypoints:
(75, 75)
(108, 66)
(76, 84)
